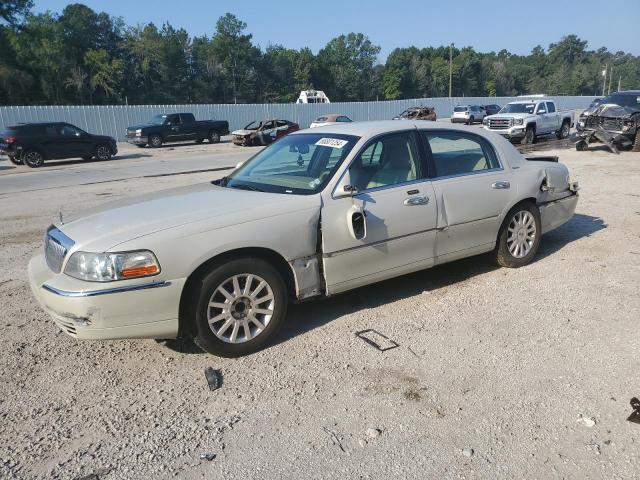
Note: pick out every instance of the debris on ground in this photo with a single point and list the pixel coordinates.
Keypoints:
(586, 421)
(373, 432)
(334, 438)
(96, 475)
(467, 452)
(214, 378)
(635, 415)
(207, 456)
(377, 340)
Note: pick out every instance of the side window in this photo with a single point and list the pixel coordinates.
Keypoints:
(51, 131)
(342, 119)
(458, 153)
(391, 160)
(541, 108)
(551, 107)
(69, 131)
(173, 120)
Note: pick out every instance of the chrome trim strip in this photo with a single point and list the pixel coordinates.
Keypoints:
(106, 291)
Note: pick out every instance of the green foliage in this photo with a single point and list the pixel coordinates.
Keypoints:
(83, 56)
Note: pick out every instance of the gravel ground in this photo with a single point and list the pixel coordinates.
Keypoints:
(500, 373)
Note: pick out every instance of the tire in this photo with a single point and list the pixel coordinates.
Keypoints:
(16, 161)
(87, 157)
(140, 146)
(636, 142)
(214, 137)
(529, 136)
(155, 141)
(33, 158)
(582, 145)
(564, 131)
(103, 153)
(199, 140)
(235, 310)
(519, 236)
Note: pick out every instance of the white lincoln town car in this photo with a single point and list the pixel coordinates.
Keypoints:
(314, 214)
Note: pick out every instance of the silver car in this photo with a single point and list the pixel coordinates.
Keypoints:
(314, 214)
(468, 114)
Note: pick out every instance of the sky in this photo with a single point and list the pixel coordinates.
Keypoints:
(486, 25)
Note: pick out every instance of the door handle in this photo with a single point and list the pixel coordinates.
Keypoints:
(413, 201)
(500, 185)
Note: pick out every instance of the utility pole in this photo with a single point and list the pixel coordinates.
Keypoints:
(610, 77)
(604, 78)
(450, 67)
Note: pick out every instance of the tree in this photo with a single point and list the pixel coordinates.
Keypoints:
(105, 74)
(391, 80)
(12, 11)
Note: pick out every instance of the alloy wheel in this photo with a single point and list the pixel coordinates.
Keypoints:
(240, 308)
(103, 153)
(521, 234)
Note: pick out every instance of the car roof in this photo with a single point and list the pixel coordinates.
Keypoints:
(626, 92)
(533, 100)
(372, 128)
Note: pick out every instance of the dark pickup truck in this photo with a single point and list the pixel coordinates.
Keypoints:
(176, 127)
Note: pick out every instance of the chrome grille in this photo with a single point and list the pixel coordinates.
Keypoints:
(499, 123)
(56, 247)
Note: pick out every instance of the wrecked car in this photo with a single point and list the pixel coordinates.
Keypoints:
(328, 119)
(418, 113)
(614, 121)
(317, 213)
(263, 132)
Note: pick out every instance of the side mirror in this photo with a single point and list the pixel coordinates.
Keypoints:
(541, 112)
(356, 222)
(345, 188)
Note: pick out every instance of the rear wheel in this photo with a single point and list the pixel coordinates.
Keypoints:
(529, 136)
(564, 131)
(15, 160)
(33, 158)
(155, 141)
(103, 152)
(214, 137)
(240, 307)
(519, 236)
(471, 120)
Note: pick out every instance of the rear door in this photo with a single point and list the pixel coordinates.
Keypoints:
(393, 205)
(187, 127)
(554, 117)
(471, 190)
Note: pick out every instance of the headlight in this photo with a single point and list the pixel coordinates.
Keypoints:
(107, 267)
(485, 121)
(517, 121)
(139, 132)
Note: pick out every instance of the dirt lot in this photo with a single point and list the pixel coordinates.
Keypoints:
(500, 373)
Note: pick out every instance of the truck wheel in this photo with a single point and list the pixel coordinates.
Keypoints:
(214, 137)
(33, 158)
(519, 236)
(15, 160)
(636, 142)
(240, 306)
(582, 145)
(155, 141)
(529, 136)
(564, 131)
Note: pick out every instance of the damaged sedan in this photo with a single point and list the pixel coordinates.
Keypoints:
(263, 132)
(613, 120)
(315, 214)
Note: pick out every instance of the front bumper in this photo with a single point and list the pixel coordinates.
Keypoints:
(517, 131)
(138, 140)
(86, 310)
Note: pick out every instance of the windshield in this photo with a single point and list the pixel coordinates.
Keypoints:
(623, 100)
(253, 126)
(158, 120)
(518, 108)
(299, 164)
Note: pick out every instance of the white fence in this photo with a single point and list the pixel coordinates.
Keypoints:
(113, 119)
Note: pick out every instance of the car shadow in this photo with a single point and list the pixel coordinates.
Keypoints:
(78, 161)
(7, 167)
(578, 227)
(190, 143)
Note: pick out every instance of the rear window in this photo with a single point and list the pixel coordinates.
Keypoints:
(460, 109)
(29, 130)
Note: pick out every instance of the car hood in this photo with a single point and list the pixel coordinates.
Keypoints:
(611, 110)
(243, 132)
(510, 115)
(141, 125)
(104, 228)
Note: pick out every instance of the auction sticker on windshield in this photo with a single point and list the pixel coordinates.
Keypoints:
(331, 142)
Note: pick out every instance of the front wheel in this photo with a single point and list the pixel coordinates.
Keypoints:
(519, 236)
(33, 158)
(582, 145)
(529, 136)
(103, 152)
(240, 307)
(155, 141)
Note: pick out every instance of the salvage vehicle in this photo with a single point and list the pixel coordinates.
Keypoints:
(614, 120)
(468, 114)
(33, 143)
(491, 109)
(328, 119)
(418, 113)
(314, 214)
(312, 96)
(263, 132)
(526, 120)
(176, 127)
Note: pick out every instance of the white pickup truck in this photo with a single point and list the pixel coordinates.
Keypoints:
(525, 120)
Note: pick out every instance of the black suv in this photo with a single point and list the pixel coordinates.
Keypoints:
(33, 143)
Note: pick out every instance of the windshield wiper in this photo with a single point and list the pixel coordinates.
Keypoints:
(242, 186)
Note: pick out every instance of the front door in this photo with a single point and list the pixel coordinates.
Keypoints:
(72, 142)
(387, 227)
(471, 190)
